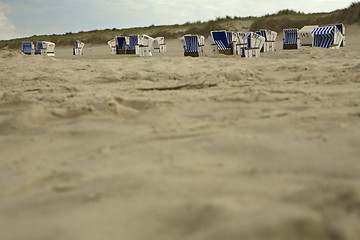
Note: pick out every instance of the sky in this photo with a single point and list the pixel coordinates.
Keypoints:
(24, 18)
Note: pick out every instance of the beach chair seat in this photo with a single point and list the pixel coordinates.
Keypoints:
(305, 36)
(341, 28)
(221, 44)
(78, 49)
(327, 37)
(28, 48)
(254, 44)
(45, 48)
(291, 39)
(193, 45)
(159, 45)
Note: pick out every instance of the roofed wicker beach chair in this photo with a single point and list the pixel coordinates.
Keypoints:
(291, 39)
(28, 48)
(305, 36)
(341, 28)
(193, 45)
(133, 41)
(159, 45)
(254, 43)
(241, 44)
(270, 38)
(143, 46)
(45, 48)
(121, 44)
(327, 37)
(112, 45)
(220, 43)
(78, 49)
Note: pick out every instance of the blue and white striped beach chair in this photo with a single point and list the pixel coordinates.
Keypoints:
(193, 45)
(327, 37)
(241, 44)
(254, 43)
(28, 48)
(270, 38)
(341, 28)
(78, 49)
(291, 39)
(221, 43)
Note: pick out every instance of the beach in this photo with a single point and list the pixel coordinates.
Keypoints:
(105, 146)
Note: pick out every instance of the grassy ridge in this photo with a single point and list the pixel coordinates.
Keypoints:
(277, 22)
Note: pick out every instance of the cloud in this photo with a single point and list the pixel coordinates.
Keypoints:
(7, 28)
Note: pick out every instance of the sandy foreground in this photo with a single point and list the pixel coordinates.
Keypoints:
(171, 147)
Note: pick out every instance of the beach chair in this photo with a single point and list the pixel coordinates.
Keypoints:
(220, 43)
(193, 45)
(341, 28)
(291, 39)
(254, 43)
(28, 48)
(78, 49)
(143, 46)
(305, 36)
(270, 38)
(327, 37)
(133, 41)
(241, 44)
(45, 48)
(159, 45)
(112, 45)
(121, 45)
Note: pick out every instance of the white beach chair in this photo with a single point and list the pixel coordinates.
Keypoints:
(291, 39)
(159, 45)
(305, 36)
(341, 28)
(193, 45)
(45, 48)
(327, 37)
(254, 44)
(28, 48)
(241, 44)
(78, 49)
(270, 39)
(143, 46)
(112, 45)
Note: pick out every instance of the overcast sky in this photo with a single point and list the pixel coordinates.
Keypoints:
(22, 18)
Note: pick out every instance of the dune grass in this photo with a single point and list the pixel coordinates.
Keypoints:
(276, 22)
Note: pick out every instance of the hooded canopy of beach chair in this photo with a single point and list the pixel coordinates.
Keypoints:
(327, 37)
(133, 41)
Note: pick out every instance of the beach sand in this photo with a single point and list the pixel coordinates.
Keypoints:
(166, 147)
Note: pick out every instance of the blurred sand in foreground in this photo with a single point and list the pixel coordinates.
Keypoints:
(100, 147)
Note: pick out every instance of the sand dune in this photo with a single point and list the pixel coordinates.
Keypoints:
(121, 147)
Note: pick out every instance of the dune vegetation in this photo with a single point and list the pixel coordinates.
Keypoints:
(282, 19)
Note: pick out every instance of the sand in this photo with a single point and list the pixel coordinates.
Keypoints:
(171, 147)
